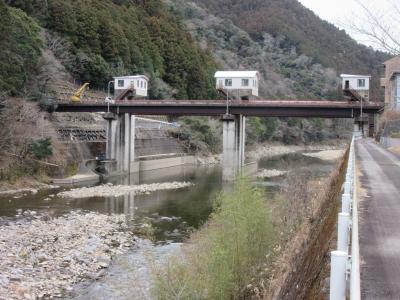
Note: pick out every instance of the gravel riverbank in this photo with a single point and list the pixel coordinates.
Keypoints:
(42, 258)
(271, 150)
(326, 154)
(268, 151)
(264, 173)
(110, 190)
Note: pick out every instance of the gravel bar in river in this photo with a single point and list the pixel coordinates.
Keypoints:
(110, 190)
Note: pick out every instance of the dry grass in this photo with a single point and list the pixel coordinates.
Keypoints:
(300, 266)
(221, 259)
(387, 116)
(289, 264)
(395, 149)
(22, 122)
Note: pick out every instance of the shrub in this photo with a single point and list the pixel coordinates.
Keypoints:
(221, 258)
(395, 134)
(42, 148)
(260, 129)
(201, 134)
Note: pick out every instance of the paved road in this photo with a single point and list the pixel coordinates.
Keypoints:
(379, 222)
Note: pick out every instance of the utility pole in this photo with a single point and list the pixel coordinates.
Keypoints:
(109, 99)
(227, 102)
(361, 116)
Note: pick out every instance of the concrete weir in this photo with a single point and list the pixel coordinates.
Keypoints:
(121, 143)
(234, 127)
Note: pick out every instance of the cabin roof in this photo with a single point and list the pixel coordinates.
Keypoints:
(354, 76)
(132, 77)
(236, 74)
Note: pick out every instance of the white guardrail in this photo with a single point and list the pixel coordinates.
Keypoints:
(345, 266)
(154, 124)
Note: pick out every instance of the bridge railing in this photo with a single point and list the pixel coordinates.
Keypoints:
(345, 261)
(154, 124)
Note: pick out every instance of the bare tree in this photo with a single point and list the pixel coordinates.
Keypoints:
(380, 27)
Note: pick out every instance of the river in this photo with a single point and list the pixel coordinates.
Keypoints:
(172, 214)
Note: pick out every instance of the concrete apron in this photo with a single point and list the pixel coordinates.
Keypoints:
(155, 164)
(90, 177)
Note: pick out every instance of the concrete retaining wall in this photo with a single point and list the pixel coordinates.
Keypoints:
(148, 165)
(86, 176)
(155, 142)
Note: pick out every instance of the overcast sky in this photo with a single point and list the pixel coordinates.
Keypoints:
(343, 12)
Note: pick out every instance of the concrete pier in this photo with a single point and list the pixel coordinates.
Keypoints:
(121, 141)
(109, 117)
(233, 145)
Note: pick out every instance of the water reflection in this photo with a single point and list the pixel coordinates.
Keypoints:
(170, 212)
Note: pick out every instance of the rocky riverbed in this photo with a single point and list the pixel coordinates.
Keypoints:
(110, 190)
(43, 258)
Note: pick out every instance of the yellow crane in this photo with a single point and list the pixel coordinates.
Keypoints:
(77, 96)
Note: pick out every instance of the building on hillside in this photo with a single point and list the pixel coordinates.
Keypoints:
(240, 85)
(131, 87)
(356, 87)
(391, 83)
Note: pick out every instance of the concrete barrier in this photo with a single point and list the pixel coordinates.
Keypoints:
(78, 179)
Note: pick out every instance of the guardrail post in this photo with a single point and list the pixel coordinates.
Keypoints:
(338, 275)
(346, 203)
(343, 232)
(347, 187)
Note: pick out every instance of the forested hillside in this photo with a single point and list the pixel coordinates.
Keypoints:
(96, 40)
(179, 44)
(20, 49)
(285, 74)
(301, 27)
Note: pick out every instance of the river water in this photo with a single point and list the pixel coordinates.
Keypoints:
(171, 214)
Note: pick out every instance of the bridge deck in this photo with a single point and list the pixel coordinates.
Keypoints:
(266, 108)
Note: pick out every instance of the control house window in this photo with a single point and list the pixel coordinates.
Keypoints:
(228, 82)
(120, 83)
(361, 83)
(245, 82)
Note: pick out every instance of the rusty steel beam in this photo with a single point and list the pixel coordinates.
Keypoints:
(262, 108)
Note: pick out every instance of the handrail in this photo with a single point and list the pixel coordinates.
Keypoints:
(341, 262)
(355, 293)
